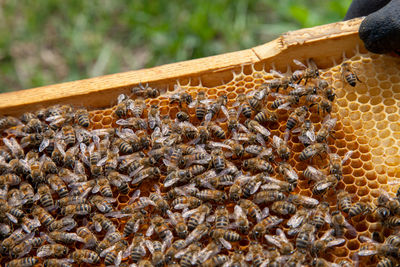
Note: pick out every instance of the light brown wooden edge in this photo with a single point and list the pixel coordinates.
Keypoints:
(322, 43)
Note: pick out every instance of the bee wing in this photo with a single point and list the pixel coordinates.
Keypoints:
(11, 217)
(316, 174)
(350, 228)
(277, 141)
(225, 243)
(149, 245)
(150, 230)
(260, 139)
(208, 117)
(285, 106)
(298, 63)
(265, 212)
(238, 212)
(104, 252)
(367, 252)
(189, 212)
(296, 130)
(282, 235)
(311, 136)
(44, 144)
(335, 242)
(218, 144)
(121, 98)
(262, 130)
(44, 251)
(276, 73)
(225, 111)
(273, 240)
(347, 156)
(323, 185)
(172, 217)
(295, 221)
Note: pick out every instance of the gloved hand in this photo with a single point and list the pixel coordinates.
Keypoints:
(380, 30)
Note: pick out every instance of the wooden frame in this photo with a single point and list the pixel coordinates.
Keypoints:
(318, 42)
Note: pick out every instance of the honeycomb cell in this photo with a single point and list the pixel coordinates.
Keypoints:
(363, 191)
(106, 121)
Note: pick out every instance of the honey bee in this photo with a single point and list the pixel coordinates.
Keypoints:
(339, 223)
(212, 249)
(257, 97)
(56, 250)
(305, 237)
(182, 202)
(336, 163)
(361, 208)
(123, 105)
(383, 250)
(326, 241)
(64, 237)
(282, 82)
(25, 246)
(216, 107)
(326, 129)
(56, 263)
(109, 240)
(101, 222)
(250, 209)
(264, 115)
(151, 172)
(43, 216)
(153, 117)
(82, 117)
(158, 225)
(275, 184)
(182, 116)
(264, 225)
(257, 128)
(134, 222)
(216, 130)
(284, 101)
(85, 256)
(133, 122)
(313, 150)
(322, 186)
(173, 250)
(218, 160)
(113, 254)
(57, 185)
(69, 135)
(88, 237)
(216, 260)
(258, 165)
(221, 218)
(138, 107)
(268, 196)
(306, 73)
(46, 198)
(296, 117)
(19, 167)
(103, 204)
(179, 223)
(137, 249)
(297, 220)
(281, 147)
(157, 252)
(281, 242)
(200, 104)
(63, 224)
(196, 216)
(31, 140)
(29, 225)
(224, 236)
(14, 239)
(7, 122)
(213, 195)
(244, 106)
(160, 202)
(327, 92)
(306, 202)
(307, 133)
(189, 255)
(232, 116)
(349, 75)
(283, 207)
(288, 173)
(181, 98)
(48, 165)
(145, 91)
(103, 186)
(321, 215)
(23, 262)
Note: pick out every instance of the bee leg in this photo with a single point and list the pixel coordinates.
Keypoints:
(357, 78)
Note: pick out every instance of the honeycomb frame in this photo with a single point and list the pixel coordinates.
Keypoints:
(368, 120)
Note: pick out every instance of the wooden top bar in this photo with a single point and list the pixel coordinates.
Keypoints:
(322, 43)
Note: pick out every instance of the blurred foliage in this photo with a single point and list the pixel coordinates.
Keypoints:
(49, 41)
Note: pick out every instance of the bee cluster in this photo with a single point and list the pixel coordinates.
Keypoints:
(214, 185)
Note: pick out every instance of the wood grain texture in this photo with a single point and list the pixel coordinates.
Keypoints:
(322, 43)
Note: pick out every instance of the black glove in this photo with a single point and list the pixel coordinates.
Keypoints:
(380, 30)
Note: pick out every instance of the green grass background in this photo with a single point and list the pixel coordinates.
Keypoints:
(49, 41)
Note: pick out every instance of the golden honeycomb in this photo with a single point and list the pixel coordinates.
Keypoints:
(367, 124)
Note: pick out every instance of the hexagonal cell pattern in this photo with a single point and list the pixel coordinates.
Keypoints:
(367, 126)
